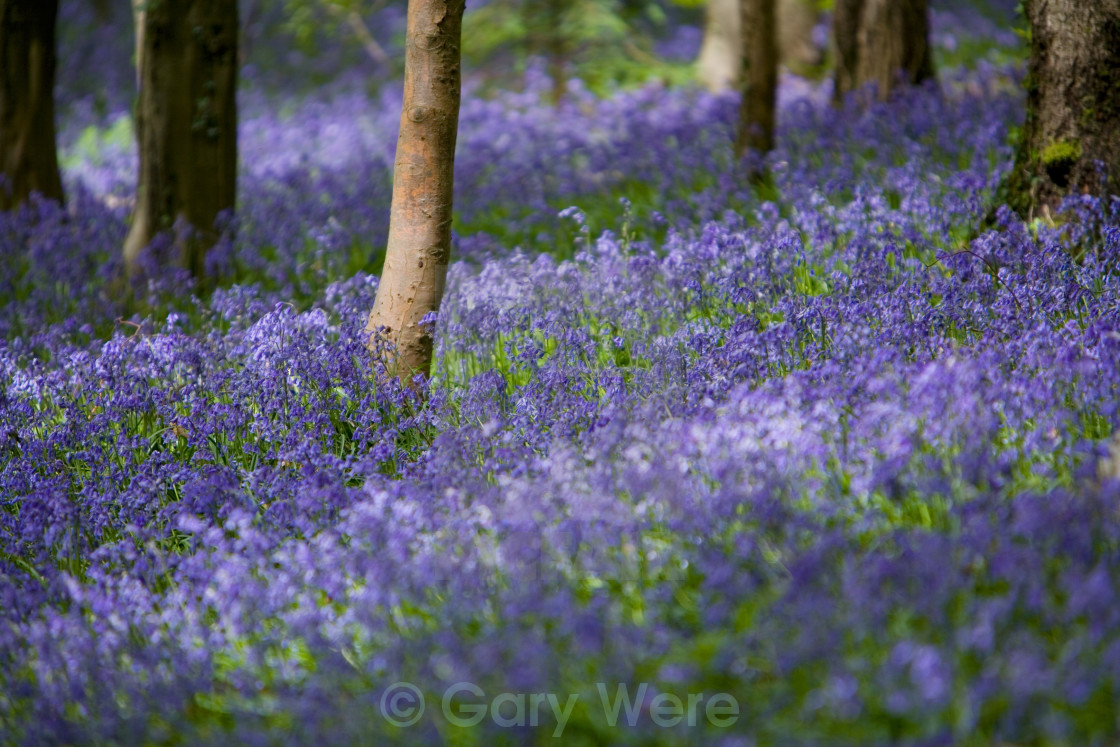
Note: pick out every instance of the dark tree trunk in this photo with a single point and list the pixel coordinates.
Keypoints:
(545, 25)
(885, 42)
(419, 246)
(894, 44)
(557, 50)
(719, 66)
(1071, 140)
(760, 77)
(186, 121)
(28, 159)
(845, 39)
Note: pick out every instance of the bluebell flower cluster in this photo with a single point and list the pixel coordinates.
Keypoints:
(826, 445)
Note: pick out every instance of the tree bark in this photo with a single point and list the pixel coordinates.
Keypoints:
(186, 121)
(845, 40)
(419, 245)
(104, 12)
(796, 48)
(719, 66)
(760, 55)
(885, 42)
(28, 158)
(138, 49)
(557, 50)
(1073, 105)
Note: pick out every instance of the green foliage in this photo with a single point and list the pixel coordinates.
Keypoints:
(95, 141)
(309, 21)
(968, 49)
(605, 43)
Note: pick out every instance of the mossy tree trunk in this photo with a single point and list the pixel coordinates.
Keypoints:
(885, 42)
(760, 77)
(1071, 140)
(186, 122)
(419, 245)
(28, 156)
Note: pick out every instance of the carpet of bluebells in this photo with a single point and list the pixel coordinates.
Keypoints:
(829, 444)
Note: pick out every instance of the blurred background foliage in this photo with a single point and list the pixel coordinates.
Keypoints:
(297, 47)
(606, 44)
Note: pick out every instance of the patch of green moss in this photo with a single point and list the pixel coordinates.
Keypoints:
(1059, 159)
(1061, 151)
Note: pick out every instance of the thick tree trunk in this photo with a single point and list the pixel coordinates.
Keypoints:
(419, 246)
(28, 159)
(894, 44)
(760, 54)
(186, 121)
(845, 40)
(1073, 105)
(719, 66)
(885, 42)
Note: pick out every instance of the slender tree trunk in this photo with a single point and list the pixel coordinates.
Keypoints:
(760, 55)
(28, 159)
(1073, 105)
(419, 246)
(885, 42)
(186, 121)
(719, 66)
(138, 50)
(557, 51)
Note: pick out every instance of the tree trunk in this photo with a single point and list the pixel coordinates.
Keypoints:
(104, 12)
(1073, 105)
(796, 48)
(419, 246)
(138, 50)
(885, 42)
(845, 40)
(760, 54)
(719, 66)
(894, 44)
(557, 51)
(186, 121)
(28, 159)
